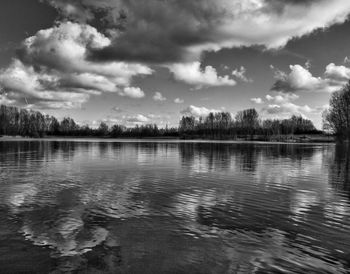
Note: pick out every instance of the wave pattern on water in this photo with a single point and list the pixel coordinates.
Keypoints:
(163, 207)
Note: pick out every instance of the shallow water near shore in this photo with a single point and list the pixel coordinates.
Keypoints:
(91, 206)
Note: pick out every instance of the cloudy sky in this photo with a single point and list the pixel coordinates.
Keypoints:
(152, 61)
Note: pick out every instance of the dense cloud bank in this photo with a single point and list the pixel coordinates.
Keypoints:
(102, 46)
(176, 31)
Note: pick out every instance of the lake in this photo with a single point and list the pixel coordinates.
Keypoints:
(90, 206)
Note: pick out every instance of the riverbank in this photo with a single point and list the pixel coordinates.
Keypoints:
(308, 138)
(304, 138)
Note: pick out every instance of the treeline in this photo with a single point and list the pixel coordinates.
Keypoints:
(14, 121)
(22, 122)
(246, 123)
(222, 125)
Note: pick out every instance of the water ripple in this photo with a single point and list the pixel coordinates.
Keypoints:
(173, 207)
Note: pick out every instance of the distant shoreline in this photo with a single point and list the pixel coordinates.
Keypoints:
(283, 139)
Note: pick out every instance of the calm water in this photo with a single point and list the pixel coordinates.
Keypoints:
(159, 207)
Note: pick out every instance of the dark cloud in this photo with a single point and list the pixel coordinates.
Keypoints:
(167, 31)
(283, 3)
(279, 6)
(293, 2)
(283, 86)
(158, 31)
(72, 9)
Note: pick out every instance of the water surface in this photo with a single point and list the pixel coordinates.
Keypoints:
(172, 207)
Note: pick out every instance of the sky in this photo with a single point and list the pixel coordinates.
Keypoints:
(152, 61)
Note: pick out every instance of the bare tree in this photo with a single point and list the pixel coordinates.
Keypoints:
(337, 118)
(247, 120)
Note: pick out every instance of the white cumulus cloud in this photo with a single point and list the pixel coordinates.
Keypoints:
(54, 71)
(241, 74)
(193, 74)
(132, 92)
(282, 105)
(198, 111)
(282, 97)
(337, 73)
(23, 83)
(300, 79)
(179, 101)
(257, 100)
(158, 97)
(137, 119)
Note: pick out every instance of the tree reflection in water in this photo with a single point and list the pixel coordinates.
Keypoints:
(153, 207)
(339, 168)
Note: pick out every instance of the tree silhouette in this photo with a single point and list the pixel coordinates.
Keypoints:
(337, 117)
(221, 125)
